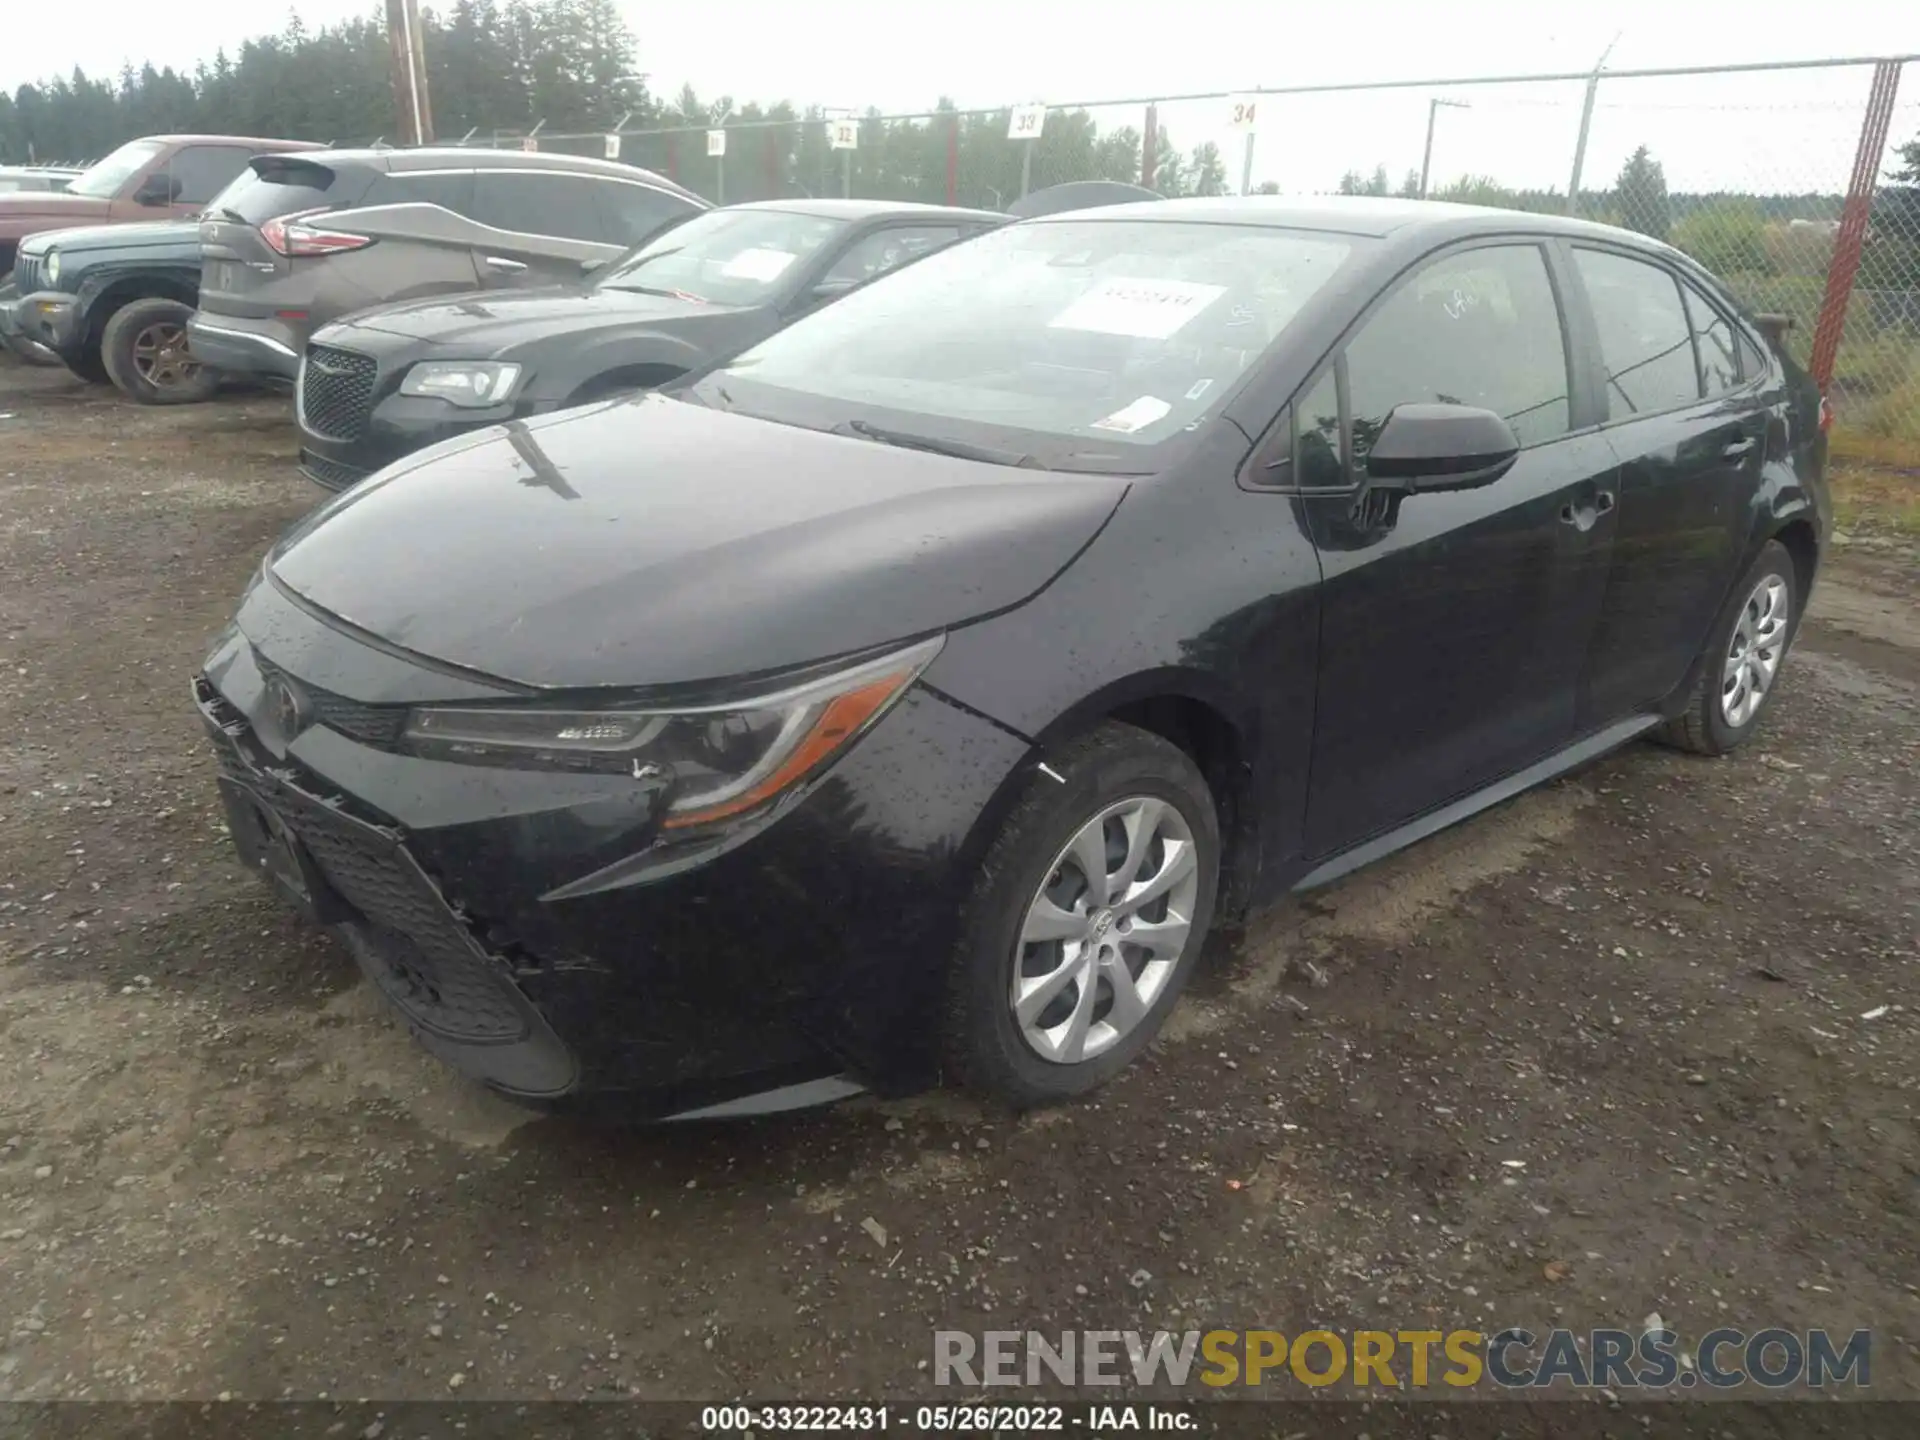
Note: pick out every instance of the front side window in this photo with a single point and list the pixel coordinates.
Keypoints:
(1479, 328)
(1646, 341)
(885, 250)
(726, 257)
(1316, 430)
(106, 179)
(1103, 332)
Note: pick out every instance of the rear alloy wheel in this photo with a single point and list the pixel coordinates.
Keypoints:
(145, 350)
(1087, 919)
(1742, 662)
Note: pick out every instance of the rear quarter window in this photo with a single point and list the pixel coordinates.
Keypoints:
(267, 190)
(451, 190)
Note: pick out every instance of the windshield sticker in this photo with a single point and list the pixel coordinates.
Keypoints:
(1137, 416)
(1200, 387)
(758, 264)
(1142, 309)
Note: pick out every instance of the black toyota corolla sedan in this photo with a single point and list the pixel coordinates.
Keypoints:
(904, 699)
(377, 386)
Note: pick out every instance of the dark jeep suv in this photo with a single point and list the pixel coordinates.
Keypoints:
(279, 259)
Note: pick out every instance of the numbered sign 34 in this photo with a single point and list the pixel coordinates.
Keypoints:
(1243, 113)
(1027, 122)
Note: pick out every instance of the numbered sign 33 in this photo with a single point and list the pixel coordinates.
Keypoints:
(1027, 122)
(716, 143)
(613, 147)
(843, 134)
(1243, 113)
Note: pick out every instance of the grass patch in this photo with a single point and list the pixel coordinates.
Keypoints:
(1871, 499)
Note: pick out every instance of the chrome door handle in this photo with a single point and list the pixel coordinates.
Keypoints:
(1603, 502)
(1739, 449)
(503, 265)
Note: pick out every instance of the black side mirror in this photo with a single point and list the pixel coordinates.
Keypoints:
(829, 290)
(1441, 447)
(157, 189)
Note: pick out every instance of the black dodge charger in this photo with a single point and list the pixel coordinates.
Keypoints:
(379, 385)
(905, 698)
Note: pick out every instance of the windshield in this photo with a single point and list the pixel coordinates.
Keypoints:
(105, 180)
(726, 257)
(1115, 331)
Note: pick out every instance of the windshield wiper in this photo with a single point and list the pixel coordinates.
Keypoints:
(959, 449)
(656, 290)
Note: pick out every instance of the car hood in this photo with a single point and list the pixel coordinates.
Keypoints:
(654, 542)
(481, 325)
(23, 212)
(147, 235)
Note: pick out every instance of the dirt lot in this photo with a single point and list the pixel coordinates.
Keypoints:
(1604, 1052)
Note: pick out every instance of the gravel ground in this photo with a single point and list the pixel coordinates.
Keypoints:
(1642, 1041)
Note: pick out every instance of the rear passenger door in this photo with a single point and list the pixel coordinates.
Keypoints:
(1688, 425)
(542, 227)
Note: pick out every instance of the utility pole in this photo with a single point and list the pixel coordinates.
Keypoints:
(1586, 123)
(1426, 158)
(409, 72)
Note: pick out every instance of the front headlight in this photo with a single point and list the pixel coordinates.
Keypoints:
(52, 265)
(716, 761)
(471, 383)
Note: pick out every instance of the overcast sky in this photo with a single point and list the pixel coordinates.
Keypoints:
(1768, 132)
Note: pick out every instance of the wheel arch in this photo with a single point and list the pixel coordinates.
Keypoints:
(643, 376)
(1190, 711)
(113, 294)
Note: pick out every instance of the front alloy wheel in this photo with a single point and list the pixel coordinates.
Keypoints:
(1105, 930)
(1088, 914)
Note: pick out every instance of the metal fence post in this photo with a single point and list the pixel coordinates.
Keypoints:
(673, 158)
(1149, 146)
(1580, 143)
(1848, 244)
(953, 159)
(773, 162)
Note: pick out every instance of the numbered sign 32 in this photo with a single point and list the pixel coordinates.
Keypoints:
(716, 143)
(613, 147)
(529, 144)
(1243, 113)
(843, 134)
(1027, 122)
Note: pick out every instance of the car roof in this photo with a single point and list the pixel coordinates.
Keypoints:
(1416, 221)
(831, 209)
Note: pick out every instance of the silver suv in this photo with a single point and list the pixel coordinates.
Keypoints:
(369, 227)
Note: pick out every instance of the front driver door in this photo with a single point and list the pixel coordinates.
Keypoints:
(1454, 625)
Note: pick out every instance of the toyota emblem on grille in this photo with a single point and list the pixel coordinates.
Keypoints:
(291, 711)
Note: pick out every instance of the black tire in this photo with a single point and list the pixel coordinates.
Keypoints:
(983, 1047)
(1703, 727)
(144, 351)
(88, 367)
(615, 387)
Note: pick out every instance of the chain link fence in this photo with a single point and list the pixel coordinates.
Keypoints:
(1754, 171)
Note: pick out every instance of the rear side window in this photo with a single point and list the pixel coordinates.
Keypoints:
(268, 189)
(451, 190)
(1713, 340)
(562, 205)
(201, 172)
(633, 214)
(1480, 327)
(1646, 339)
